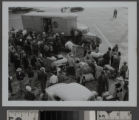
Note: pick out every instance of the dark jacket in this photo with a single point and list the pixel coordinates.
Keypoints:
(30, 73)
(102, 84)
(20, 76)
(33, 61)
(107, 57)
(25, 62)
(42, 76)
(29, 96)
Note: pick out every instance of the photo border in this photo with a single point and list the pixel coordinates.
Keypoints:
(132, 55)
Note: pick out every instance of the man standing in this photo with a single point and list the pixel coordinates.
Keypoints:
(115, 14)
(10, 84)
(107, 57)
(71, 63)
(42, 77)
(123, 70)
(102, 83)
(20, 75)
(116, 62)
(25, 61)
(83, 80)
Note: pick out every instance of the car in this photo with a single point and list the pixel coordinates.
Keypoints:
(88, 36)
(69, 92)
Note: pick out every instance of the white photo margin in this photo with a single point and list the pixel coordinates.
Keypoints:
(132, 54)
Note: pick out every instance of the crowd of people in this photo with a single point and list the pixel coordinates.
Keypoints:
(28, 51)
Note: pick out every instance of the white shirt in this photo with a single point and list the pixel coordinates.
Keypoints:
(69, 45)
(53, 79)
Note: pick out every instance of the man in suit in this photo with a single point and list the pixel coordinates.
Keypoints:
(123, 70)
(20, 74)
(42, 77)
(107, 56)
(102, 83)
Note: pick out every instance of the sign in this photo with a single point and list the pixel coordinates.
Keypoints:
(22, 115)
(114, 115)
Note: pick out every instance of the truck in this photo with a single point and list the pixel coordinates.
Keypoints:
(50, 22)
(58, 22)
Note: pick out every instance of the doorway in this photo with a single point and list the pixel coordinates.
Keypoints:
(47, 25)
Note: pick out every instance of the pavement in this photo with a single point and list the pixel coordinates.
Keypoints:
(112, 31)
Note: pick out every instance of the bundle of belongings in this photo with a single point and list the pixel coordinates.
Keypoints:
(55, 61)
(69, 45)
(60, 60)
(96, 54)
(87, 77)
(117, 91)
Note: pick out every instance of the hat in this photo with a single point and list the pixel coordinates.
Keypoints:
(28, 88)
(19, 69)
(119, 78)
(42, 69)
